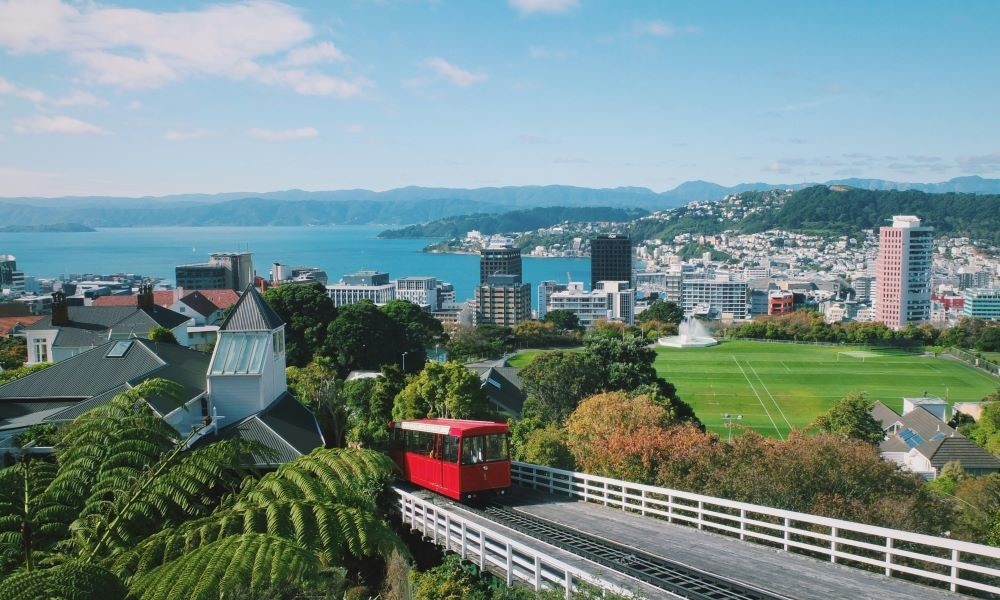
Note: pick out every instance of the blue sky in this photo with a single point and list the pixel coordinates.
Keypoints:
(152, 98)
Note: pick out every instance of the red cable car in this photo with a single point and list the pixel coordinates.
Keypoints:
(453, 457)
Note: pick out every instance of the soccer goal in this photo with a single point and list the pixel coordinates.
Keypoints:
(854, 355)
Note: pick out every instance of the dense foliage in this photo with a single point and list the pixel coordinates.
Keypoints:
(306, 311)
(13, 352)
(851, 417)
(443, 390)
(125, 505)
(846, 211)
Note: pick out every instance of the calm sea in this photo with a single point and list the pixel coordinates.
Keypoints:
(155, 251)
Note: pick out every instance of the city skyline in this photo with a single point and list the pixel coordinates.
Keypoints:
(129, 98)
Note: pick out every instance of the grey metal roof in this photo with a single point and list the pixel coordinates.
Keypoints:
(885, 415)
(924, 423)
(94, 325)
(252, 313)
(958, 448)
(503, 387)
(12, 409)
(92, 378)
(286, 427)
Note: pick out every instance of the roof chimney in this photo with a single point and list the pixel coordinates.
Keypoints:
(145, 297)
(60, 310)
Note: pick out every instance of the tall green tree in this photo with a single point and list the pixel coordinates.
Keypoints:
(369, 403)
(563, 319)
(986, 430)
(443, 390)
(307, 312)
(557, 381)
(364, 337)
(422, 329)
(316, 386)
(662, 310)
(851, 417)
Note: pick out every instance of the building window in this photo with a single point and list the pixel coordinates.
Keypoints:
(41, 347)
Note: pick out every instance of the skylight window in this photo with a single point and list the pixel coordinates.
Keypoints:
(119, 349)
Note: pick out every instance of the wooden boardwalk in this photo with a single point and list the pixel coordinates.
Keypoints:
(783, 573)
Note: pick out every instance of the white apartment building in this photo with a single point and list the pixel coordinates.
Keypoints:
(613, 301)
(720, 297)
(422, 291)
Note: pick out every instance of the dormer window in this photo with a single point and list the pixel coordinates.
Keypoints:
(278, 341)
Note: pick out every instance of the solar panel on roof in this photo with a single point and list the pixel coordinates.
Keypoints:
(119, 349)
(911, 438)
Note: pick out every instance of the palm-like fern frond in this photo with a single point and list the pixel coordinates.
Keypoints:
(73, 580)
(324, 501)
(252, 560)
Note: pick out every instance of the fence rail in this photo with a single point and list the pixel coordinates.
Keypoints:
(976, 361)
(493, 550)
(961, 566)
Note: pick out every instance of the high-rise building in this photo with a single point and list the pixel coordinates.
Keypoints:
(718, 297)
(422, 291)
(611, 301)
(981, 303)
(903, 272)
(501, 259)
(224, 271)
(503, 300)
(610, 259)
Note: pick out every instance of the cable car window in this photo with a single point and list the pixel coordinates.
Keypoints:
(449, 449)
(483, 448)
(420, 442)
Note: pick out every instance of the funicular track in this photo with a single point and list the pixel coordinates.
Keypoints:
(679, 579)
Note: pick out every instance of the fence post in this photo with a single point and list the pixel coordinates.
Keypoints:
(538, 573)
(463, 540)
(510, 564)
(447, 532)
(701, 516)
(788, 534)
(833, 544)
(568, 584)
(743, 523)
(605, 493)
(954, 570)
(888, 556)
(670, 508)
(643, 500)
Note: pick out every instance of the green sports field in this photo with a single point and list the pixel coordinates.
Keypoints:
(779, 386)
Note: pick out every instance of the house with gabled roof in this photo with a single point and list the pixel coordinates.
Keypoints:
(71, 330)
(240, 390)
(921, 442)
(502, 385)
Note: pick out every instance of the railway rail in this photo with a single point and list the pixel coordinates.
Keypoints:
(671, 576)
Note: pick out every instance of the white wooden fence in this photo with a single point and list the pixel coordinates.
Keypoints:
(493, 550)
(896, 553)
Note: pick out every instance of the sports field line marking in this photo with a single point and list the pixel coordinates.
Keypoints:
(754, 390)
(763, 385)
(784, 365)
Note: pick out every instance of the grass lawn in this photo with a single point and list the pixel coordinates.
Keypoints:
(779, 386)
(993, 357)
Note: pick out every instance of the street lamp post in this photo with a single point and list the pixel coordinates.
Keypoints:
(404, 360)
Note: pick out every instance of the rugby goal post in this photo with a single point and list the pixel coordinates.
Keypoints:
(852, 354)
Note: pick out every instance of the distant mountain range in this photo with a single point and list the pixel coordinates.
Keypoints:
(400, 206)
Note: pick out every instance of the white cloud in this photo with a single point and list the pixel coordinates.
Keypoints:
(133, 48)
(452, 73)
(658, 28)
(74, 98)
(281, 135)
(527, 7)
(777, 167)
(134, 105)
(182, 136)
(324, 52)
(353, 128)
(56, 124)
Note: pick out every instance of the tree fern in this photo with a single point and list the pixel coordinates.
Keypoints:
(73, 580)
(232, 562)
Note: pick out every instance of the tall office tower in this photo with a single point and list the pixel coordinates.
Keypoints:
(223, 271)
(610, 259)
(503, 300)
(903, 272)
(499, 260)
(8, 264)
